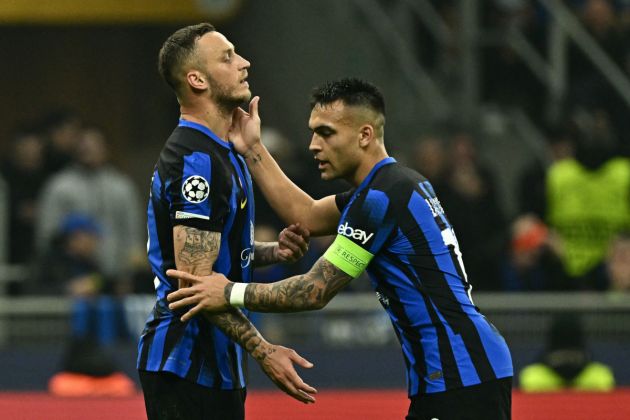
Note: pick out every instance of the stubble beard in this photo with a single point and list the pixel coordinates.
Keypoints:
(224, 99)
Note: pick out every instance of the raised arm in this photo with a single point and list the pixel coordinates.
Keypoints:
(195, 252)
(292, 204)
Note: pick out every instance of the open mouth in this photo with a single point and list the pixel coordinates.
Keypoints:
(321, 164)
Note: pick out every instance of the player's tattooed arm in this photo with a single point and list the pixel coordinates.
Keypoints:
(309, 291)
(195, 252)
(195, 249)
(291, 246)
(266, 253)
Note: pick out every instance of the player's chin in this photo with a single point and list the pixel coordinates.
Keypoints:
(327, 175)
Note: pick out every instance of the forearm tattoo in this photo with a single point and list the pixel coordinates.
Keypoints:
(312, 290)
(198, 249)
(265, 253)
(237, 327)
(253, 157)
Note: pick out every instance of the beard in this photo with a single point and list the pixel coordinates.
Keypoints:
(226, 100)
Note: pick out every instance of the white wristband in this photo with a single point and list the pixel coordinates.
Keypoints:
(237, 296)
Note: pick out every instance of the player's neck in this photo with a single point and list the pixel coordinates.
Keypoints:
(210, 115)
(366, 165)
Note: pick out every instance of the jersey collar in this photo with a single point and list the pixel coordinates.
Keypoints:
(379, 165)
(205, 130)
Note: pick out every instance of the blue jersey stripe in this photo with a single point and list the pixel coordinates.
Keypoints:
(419, 320)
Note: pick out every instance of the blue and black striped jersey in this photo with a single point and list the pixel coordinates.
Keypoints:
(199, 181)
(419, 278)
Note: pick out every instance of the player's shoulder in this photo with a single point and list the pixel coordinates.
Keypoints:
(396, 180)
(185, 142)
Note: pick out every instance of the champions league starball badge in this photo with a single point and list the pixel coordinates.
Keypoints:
(195, 189)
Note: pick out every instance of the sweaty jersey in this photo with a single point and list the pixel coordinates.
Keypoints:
(398, 229)
(201, 182)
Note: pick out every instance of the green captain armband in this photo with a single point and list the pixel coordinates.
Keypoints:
(348, 256)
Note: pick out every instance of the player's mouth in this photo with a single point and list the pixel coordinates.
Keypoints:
(244, 81)
(321, 164)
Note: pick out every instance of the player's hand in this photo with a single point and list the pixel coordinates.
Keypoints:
(292, 243)
(277, 363)
(204, 293)
(245, 130)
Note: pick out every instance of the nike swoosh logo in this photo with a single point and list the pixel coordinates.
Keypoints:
(243, 203)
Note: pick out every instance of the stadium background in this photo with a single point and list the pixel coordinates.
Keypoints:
(433, 61)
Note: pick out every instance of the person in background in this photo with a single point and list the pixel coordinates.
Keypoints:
(613, 274)
(24, 172)
(71, 269)
(94, 187)
(566, 362)
(588, 198)
(62, 129)
(532, 262)
(471, 196)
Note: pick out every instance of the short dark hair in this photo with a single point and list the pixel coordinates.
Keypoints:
(350, 91)
(177, 49)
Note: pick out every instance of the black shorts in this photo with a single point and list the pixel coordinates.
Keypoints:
(487, 401)
(169, 397)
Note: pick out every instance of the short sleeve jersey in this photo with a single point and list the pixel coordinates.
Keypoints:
(201, 182)
(397, 229)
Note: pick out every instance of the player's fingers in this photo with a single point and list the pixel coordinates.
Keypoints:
(182, 275)
(253, 106)
(300, 230)
(182, 303)
(180, 294)
(296, 393)
(284, 242)
(192, 312)
(299, 360)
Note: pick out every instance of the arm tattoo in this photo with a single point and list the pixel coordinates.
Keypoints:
(265, 253)
(312, 290)
(253, 157)
(196, 250)
(236, 326)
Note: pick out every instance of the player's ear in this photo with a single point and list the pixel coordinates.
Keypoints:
(196, 80)
(366, 135)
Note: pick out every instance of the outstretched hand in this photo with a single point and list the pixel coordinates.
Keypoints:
(277, 363)
(205, 293)
(245, 130)
(292, 243)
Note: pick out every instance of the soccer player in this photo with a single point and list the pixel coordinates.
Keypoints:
(392, 224)
(201, 219)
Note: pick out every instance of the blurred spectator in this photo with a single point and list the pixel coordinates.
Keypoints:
(97, 319)
(429, 158)
(63, 129)
(618, 264)
(588, 87)
(71, 267)
(566, 362)
(532, 263)
(93, 187)
(614, 273)
(23, 170)
(588, 198)
(471, 202)
(531, 183)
